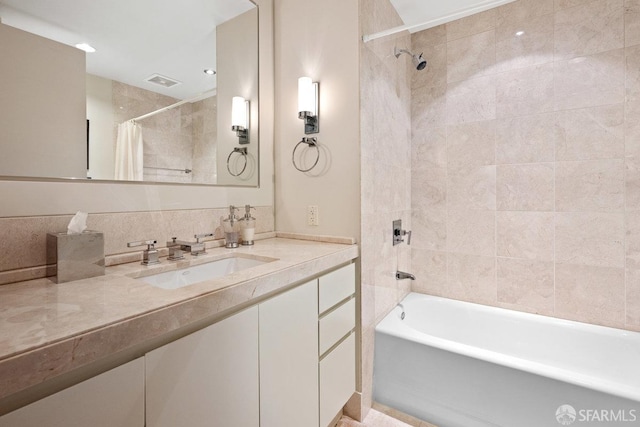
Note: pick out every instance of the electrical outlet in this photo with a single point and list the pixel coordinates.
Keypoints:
(312, 215)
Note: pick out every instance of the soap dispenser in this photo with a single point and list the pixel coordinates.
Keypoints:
(248, 227)
(231, 227)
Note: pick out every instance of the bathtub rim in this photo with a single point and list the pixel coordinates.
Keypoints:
(393, 326)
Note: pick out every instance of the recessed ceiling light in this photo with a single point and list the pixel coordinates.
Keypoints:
(209, 71)
(519, 33)
(86, 47)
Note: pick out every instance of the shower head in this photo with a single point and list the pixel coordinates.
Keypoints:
(418, 61)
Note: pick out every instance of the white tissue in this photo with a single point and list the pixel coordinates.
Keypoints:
(78, 223)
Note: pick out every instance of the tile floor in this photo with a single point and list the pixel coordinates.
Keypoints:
(379, 419)
(376, 418)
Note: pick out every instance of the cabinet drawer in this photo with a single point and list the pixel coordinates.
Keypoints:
(336, 286)
(337, 379)
(337, 324)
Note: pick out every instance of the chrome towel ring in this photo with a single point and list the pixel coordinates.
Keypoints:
(243, 152)
(311, 142)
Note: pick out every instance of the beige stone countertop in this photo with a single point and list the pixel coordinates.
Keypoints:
(49, 329)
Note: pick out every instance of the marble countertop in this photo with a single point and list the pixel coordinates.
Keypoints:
(49, 329)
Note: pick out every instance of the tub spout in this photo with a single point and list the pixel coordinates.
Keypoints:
(402, 275)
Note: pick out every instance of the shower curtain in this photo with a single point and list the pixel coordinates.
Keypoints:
(129, 156)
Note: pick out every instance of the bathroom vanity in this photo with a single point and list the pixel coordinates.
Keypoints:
(270, 345)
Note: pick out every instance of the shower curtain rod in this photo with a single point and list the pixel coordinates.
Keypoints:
(488, 4)
(177, 104)
(389, 32)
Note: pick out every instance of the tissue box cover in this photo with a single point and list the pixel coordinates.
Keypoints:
(78, 256)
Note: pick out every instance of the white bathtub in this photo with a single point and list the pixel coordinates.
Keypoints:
(458, 364)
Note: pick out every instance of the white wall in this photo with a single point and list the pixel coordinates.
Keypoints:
(28, 198)
(101, 128)
(37, 77)
(318, 39)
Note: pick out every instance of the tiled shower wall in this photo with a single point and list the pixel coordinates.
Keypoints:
(386, 173)
(26, 236)
(526, 160)
(184, 137)
(204, 123)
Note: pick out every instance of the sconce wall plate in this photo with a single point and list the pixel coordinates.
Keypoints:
(308, 104)
(242, 134)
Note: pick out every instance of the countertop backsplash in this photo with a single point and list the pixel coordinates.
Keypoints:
(26, 236)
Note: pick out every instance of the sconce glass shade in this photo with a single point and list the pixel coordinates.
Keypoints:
(306, 96)
(240, 118)
(239, 113)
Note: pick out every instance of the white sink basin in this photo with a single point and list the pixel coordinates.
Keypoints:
(199, 273)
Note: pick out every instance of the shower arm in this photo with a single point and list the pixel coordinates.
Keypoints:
(397, 52)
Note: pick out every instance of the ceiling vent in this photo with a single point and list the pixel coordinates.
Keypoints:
(161, 80)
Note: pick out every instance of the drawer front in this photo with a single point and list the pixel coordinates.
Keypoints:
(336, 286)
(337, 379)
(337, 324)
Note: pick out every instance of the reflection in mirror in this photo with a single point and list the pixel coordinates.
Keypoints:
(179, 144)
(152, 104)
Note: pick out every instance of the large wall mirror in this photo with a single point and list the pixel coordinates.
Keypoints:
(145, 90)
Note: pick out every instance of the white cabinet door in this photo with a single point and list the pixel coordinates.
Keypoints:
(289, 358)
(112, 399)
(337, 379)
(208, 378)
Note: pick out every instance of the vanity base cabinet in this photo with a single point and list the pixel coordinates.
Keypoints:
(289, 358)
(288, 361)
(208, 378)
(112, 399)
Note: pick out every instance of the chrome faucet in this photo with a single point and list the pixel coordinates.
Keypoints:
(178, 247)
(175, 249)
(400, 275)
(149, 255)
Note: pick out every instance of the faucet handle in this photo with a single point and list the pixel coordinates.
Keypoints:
(399, 233)
(408, 234)
(150, 244)
(202, 236)
(149, 255)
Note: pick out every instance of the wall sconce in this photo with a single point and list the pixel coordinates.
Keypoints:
(240, 118)
(308, 104)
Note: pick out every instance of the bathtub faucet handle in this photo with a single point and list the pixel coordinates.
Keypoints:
(403, 233)
(399, 233)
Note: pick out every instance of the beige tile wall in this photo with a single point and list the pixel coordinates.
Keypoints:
(168, 140)
(386, 173)
(526, 160)
(180, 138)
(26, 236)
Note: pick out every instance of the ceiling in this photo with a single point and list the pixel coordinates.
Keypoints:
(174, 38)
(422, 14)
(134, 39)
